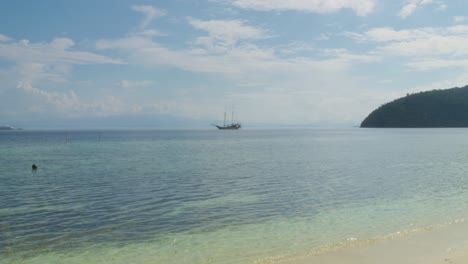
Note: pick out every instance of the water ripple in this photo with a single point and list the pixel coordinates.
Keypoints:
(168, 195)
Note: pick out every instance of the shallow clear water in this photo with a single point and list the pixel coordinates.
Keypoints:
(247, 196)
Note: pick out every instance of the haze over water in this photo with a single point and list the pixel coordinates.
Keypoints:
(221, 196)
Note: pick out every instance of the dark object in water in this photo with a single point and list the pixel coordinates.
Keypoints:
(34, 167)
(232, 126)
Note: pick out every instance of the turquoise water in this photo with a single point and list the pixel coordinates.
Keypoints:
(247, 196)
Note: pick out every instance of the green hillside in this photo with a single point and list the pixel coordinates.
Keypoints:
(437, 108)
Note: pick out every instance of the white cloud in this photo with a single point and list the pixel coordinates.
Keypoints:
(225, 33)
(442, 7)
(218, 52)
(389, 34)
(459, 19)
(410, 6)
(295, 47)
(57, 51)
(33, 71)
(324, 36)
(361, 7)
(228, 29)
(434, 46)
(135, 84)
(445, 43)
(151, 33)
(426, 48)
(4, 38)
(28, 100)
(50, 101)
(434, 63)
(346, 56)
(135, 42)
(62, 43)
(150, 13)
(418, 42)
(245, 61)
(268, 73)
(44, 62)
(408, 9)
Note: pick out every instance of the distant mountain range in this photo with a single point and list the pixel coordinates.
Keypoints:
(437, 108)
(7, 127)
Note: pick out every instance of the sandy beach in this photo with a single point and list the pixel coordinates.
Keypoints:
(438, 245)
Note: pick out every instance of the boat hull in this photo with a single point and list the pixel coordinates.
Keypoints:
(233, 127)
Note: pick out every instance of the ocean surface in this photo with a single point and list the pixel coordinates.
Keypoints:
(247, 196)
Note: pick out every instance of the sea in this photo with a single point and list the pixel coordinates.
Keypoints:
(224, 197)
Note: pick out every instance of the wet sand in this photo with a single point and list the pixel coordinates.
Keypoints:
(440, 245)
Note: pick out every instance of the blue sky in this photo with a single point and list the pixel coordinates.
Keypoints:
(298, 62)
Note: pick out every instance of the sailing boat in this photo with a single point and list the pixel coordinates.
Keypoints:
(232, 126)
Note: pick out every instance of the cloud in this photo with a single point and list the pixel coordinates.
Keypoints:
(33, 71)
(387, 34)
(408, 9)
(246, 61)
(224, 34)
(346, 56)
(459, 19)
(295, 47)
(50, 61)
(227, 49)
(134, 84)
(28, 100)
(442, 7)
(150, 13)
(43, 63)
(434, 63)
(56, 51)
(426, 48)
(49, 101)
(4, 38)
(150, 33)
(458, 80)
(451, 41)
(410, 6)
(419, 41)
(360, 7)
(228, 30)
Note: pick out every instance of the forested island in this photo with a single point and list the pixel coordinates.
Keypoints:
(437, 108)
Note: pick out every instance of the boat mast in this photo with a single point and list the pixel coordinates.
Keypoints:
(224, 122)
(232, 114)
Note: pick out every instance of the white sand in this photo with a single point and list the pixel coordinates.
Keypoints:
(437, 246)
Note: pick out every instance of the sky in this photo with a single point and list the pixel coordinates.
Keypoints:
(183, 63)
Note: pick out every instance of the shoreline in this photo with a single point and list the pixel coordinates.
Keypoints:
(433, 245)
(437, 244)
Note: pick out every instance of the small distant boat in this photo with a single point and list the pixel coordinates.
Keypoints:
(232, 126)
